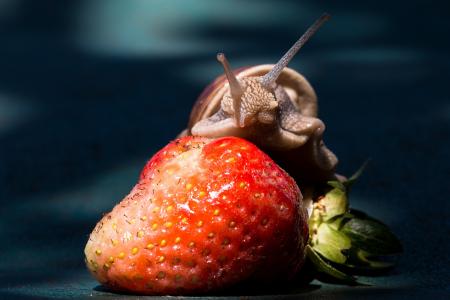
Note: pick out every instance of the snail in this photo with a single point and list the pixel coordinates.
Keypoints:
(272, 106)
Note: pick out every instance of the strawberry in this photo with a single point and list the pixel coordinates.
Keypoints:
(204, 215)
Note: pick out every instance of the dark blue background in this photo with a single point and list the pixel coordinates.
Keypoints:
(89, 90)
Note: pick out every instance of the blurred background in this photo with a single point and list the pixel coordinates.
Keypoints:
(89, 90)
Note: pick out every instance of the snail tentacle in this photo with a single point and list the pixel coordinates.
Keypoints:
(300, 124)
(236, 90)
(287, 140)
(291, 119)
(269, 79)
(219, 124)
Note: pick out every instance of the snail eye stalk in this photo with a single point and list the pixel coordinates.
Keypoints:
(269, 79)
(235, 88)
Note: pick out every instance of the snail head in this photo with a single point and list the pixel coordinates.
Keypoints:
(247, 100)
(252, 99)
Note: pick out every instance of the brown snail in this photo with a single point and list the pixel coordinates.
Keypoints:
(273, 106)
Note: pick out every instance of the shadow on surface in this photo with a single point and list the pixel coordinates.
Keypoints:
(244, 291)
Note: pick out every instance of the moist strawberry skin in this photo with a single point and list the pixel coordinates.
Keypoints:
(205, 214)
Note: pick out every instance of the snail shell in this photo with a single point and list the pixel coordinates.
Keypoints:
(272, 106)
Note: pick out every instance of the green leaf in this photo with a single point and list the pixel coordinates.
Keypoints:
(373, 264)
(360, 260)
(331, 243)
(349, 182)
(322, 266)
(371, 236)
(354, 213)
(336, 184)
(338, 222)
(333, 204)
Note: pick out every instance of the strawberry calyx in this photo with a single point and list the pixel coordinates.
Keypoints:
(345, 242)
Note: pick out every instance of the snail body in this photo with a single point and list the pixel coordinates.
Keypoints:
(274, 107)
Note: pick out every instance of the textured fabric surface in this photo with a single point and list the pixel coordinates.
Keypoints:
(89, 90)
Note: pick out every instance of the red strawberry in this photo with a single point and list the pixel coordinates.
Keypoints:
(205, 214)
